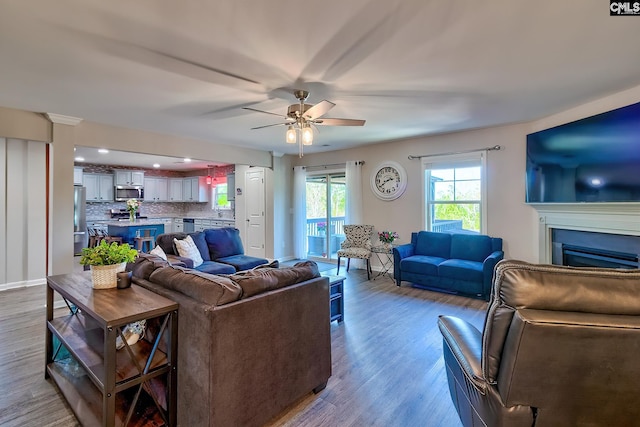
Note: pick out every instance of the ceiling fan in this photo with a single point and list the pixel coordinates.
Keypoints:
(300, 118)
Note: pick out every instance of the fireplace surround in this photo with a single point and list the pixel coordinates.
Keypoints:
(620, 221)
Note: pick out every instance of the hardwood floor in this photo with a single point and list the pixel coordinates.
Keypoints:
(387, 360)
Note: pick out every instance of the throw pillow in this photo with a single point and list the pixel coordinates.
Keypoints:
(188, 249)
(159, 252)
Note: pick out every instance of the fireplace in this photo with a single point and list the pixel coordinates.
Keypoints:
(589, 249)
(589, 234)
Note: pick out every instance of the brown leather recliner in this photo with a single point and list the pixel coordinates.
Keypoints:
(560, 347)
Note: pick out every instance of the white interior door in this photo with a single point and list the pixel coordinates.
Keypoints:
(255, 207)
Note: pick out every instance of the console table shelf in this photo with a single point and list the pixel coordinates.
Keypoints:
(103, 386)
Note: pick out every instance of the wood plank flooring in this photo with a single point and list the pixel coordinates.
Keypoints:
(387, 360)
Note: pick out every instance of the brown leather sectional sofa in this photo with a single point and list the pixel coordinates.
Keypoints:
(249, 344)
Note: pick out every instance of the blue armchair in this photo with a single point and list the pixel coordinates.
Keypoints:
(461, 263)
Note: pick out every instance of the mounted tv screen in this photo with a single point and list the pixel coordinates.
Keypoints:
(596, 159)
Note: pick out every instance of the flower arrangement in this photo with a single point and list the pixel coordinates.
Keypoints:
(387, 236)
(322, 226)
(132, 206)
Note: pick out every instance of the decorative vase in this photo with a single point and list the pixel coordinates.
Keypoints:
(132, 216)
(387, 245)
(106, 276)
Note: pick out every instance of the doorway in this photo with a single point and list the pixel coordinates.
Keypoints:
(326, 203)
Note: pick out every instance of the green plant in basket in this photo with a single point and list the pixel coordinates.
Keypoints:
(108, 254)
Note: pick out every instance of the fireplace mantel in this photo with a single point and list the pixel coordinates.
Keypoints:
(614, 218)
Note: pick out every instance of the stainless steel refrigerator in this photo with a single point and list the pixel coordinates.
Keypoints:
(79, 219)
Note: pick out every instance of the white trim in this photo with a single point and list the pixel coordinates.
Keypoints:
(63, 120)
(612, 218)
(22, 284)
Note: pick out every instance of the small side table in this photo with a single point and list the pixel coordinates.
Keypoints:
(384, 254)
(336, 298)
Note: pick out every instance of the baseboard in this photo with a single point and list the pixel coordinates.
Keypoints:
(22, 284)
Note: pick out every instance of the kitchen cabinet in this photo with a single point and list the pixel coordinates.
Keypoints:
(201, 224)
(195, 189)
(124, 177)
(77, 176)
(175, 189)
(155, 189)
(231, 187)
(168, 224)
(178, 226)
(99, 187)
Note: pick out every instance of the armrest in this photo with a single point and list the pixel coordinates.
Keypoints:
(180, 261)
(402, 251)
(488, 265)
(465, 342)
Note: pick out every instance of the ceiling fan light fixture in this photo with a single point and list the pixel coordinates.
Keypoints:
(307, 135)
(291, 135)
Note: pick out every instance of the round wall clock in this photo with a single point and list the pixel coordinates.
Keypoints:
(388, 180)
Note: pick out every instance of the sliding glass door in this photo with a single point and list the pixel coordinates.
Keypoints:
(326, 201)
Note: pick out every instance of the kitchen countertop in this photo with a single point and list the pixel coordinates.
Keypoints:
(136, 223)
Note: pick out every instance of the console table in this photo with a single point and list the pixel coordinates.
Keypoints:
(105, 387)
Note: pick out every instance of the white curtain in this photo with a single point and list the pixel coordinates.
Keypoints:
(299, 212)
(353, 176)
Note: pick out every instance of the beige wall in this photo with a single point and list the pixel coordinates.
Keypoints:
(508, 215)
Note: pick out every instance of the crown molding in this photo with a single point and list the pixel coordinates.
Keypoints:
(63, 120)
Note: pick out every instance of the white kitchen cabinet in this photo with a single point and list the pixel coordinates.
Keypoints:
(195, 189)
(124, 177)
(155, 189)
(178, 226)
(201, 224)
(77, 176)
(99, 187)
(175, 189)
(168, 224)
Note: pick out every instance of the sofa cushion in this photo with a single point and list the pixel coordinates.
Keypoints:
(263, 278)
(421, 264)
(433, 244)
(242, 262)
(223, 242)
(188, 249)
(470, 247)
(213, 267)
(208, 288)
(461, 269)
(165, 241)
(145, 264)
(159, 252)
(201, 244)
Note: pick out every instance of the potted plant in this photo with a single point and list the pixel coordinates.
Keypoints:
(106, 260)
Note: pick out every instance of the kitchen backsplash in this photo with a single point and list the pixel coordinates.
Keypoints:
(100, 210)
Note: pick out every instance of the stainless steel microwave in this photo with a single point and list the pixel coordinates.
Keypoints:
(122, 193)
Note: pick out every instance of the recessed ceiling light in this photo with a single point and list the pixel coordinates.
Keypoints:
(103, 151)
(79, 159)
(156, 165)
(187, 160)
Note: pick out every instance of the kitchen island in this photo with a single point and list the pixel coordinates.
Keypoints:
(130, 230)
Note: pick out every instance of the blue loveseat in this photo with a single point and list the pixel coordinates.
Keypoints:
(221, 250)
(461, 263)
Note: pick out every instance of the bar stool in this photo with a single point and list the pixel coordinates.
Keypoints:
(111, 239)
(145, 235)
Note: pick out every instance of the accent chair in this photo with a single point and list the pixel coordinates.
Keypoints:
(357, 244)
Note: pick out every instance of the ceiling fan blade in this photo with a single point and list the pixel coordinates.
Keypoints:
(266, 112)
(318, 110)
(339, 122)
(268, 126)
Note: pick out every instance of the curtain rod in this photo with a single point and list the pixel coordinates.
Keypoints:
(495, 147)
(332, 165)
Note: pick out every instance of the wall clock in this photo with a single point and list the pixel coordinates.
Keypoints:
(388, 180)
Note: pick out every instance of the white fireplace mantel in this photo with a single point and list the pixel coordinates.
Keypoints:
(613, 218)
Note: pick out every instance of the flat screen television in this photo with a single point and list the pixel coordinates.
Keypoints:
(596, 159)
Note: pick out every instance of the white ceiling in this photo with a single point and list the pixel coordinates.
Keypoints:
(408, 67)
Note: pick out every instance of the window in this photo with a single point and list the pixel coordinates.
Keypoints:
(455, 193)
(220, 200)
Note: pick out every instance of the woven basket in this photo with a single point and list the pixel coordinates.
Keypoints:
(104, 276)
